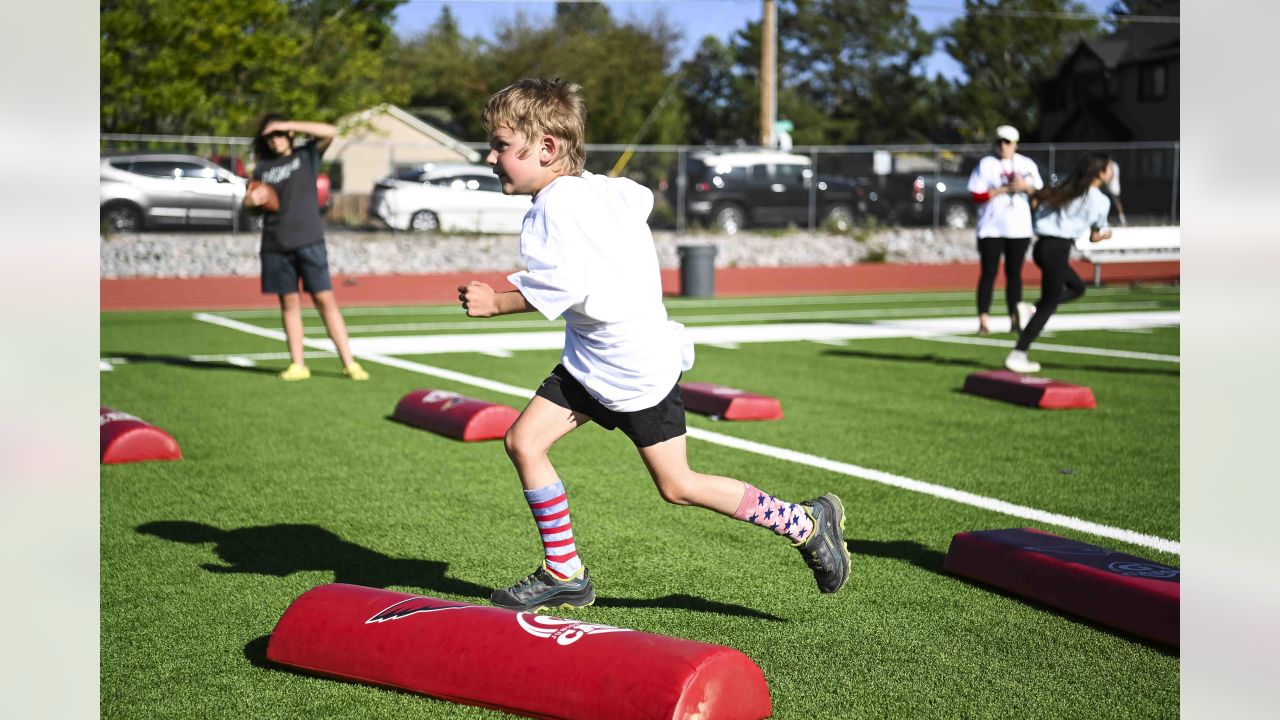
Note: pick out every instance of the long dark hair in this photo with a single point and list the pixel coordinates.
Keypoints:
(261, 148)
(1077, 183)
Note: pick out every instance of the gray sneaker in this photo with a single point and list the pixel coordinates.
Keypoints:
(542, 590)
(825, 551)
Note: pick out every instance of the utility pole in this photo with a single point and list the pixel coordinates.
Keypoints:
(768, 73)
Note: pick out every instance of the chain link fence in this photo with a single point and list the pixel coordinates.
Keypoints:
(727, 188)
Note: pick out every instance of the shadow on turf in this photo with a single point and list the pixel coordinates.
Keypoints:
(935, 359)
(281, 550)
(139, 359)
(931, 560)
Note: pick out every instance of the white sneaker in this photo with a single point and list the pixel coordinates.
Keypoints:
(1025, 311)
(1018, 362)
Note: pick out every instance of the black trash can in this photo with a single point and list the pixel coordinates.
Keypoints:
(697, 270)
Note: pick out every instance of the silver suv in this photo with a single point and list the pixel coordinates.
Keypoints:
(149, 190)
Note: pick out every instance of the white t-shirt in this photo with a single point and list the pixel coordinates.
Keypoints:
(1007, 216)
(1073, 220)
(590, 257)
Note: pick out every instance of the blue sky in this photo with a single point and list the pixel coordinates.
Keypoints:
(695, 18)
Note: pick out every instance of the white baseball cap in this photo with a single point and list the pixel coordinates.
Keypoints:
(1007, 132)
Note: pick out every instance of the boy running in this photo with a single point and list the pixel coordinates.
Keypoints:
(590, 258)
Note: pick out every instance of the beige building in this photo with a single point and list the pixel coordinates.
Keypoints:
(374, 143)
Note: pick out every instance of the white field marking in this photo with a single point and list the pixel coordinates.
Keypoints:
(104, 366)
(940, 491)
(904, 483)
(1135, 331)
(497, 353)
(1060, 321)
(834, 343)
(241, 361)
(700, 319)
(1049, 347)
(723, 345)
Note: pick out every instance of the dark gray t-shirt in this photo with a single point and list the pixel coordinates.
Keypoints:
(293, 177)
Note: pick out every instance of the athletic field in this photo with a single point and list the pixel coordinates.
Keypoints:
(285, 486)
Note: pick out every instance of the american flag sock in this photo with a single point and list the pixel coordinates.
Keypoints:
(787, 519)
(550, 508)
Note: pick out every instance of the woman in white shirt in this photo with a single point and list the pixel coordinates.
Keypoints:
(1002, 185)
(1063, 213)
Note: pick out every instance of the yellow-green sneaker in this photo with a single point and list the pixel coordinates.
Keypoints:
(354, 371)
(296, 372)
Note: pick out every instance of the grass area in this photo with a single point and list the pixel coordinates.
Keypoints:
(285, 486)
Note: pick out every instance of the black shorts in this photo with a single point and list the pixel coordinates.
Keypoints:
(282, 268)
(645, 427)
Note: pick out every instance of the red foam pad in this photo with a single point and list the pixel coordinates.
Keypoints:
(123, 438)
(729, 403)
(522, 663)
(451, 414)
(1029, 390)
(1112, 588)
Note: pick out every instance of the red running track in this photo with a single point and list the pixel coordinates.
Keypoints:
(234, 293)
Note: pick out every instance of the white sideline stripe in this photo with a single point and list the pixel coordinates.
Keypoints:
(104, 366)
(1049, 347)
(1059, 321)
(743, 317)
(939, 491)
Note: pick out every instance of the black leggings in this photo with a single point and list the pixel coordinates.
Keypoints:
(990, 249)
(1058, 284)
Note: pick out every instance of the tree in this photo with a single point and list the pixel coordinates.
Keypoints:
(714, 93)
(444, 73)
(194, 67)
(1006, 48)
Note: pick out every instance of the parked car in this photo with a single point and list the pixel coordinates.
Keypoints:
(142, 191)
(910, 199)
(447, 197)
(737, 189)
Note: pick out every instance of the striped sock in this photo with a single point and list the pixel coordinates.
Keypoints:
(550, 509)
(786, 519)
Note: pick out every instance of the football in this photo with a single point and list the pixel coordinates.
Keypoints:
(272, 202)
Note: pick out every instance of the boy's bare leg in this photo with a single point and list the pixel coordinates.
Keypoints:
(291, 318)
(530, 438)
(668, 464)
(327, 304)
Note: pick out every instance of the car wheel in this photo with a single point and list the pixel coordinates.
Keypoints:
(955, 216)
(839, 218)
(120, 218)
(729, 219)
(424, 221)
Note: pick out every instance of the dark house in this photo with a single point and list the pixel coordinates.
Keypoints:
(1122, 88)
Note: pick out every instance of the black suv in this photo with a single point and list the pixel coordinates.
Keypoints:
(910, 198)
(733, 190)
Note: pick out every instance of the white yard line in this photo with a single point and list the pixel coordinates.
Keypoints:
(904, 483)
(1049, 347)
(458, 325)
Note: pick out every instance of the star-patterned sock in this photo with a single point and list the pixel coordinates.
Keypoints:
(787, 519)
(550, 508)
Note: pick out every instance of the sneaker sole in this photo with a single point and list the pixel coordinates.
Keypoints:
(844, 546)
(565, 601)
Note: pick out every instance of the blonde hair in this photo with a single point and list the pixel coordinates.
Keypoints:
(534, 107)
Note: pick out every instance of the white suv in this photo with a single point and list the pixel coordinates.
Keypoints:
(446, 197)
(151, 190)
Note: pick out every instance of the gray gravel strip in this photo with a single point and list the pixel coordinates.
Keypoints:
(191, 254)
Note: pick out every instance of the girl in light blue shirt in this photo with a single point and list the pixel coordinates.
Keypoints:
(1063, 213)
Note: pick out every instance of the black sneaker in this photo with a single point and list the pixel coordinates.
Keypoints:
(542, 590)
(825, 551)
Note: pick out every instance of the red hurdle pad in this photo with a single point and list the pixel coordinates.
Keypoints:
(123, 438)
(729, 403)
(454, 415)
(520, 662)
(1029, 390)
(1128, 593)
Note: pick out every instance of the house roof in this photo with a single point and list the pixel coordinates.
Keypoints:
(1137, 42)
(411, 120)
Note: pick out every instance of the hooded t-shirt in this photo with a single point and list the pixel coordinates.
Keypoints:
(590, 257)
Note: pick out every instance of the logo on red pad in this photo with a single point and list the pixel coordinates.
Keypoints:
(564, 632)
(413, 606)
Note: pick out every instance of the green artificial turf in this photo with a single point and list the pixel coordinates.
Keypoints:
(285, 486)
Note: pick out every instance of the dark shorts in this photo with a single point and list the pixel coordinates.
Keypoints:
(281, 269)
(645, 427)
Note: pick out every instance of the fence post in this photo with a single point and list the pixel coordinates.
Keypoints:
(681, 181)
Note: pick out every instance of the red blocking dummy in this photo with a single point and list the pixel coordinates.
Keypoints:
(1030, 390)
(729, 403)
(454, 415)
(123, 438)
(1112, 588)
(520, 662)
